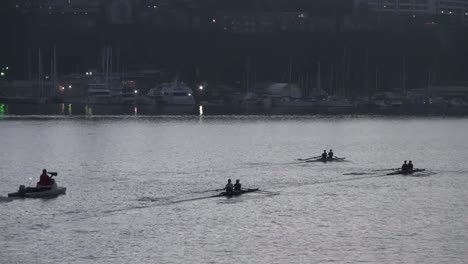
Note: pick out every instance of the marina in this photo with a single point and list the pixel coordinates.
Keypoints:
(247, 131)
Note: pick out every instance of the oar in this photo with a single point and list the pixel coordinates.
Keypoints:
(310, 158)
(388, 169)
(268, 192)
(217, 190)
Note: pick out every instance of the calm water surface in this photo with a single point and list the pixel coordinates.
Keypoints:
(131, 180)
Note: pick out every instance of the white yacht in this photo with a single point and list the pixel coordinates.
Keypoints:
(174, 93)
(99, 94)
(175, 97)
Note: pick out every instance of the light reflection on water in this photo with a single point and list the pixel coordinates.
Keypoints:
(133, 184)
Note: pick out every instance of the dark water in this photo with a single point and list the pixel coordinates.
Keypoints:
(131, 179)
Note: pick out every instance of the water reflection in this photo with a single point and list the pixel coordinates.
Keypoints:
(200, 109)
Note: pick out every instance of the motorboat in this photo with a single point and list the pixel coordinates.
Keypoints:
(174, 98)
(174, 93)
(40, 191)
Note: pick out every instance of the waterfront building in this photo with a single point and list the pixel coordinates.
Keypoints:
(453, 10)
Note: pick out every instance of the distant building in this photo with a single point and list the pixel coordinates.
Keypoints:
(454, 10)
(274, 21)
(60, 13)
(120, 12)
(64, 7)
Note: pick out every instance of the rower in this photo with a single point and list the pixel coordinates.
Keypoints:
(44, 179)
(324, 155)
(229, 187)
(404, 167)
(237, 186)
(410, 166)
(330, 154)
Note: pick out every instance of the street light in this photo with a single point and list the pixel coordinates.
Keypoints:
(136, 91)
(69, 86)
(2, 74)
(200, 87)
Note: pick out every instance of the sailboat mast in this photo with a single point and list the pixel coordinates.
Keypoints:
(39, 75)
(366, 73)
(319, 80)
(403, 79)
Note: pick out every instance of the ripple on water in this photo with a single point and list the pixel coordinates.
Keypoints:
(82, 231)
(40, 226)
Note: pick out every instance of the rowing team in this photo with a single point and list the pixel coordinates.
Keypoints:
(329, 155)
(407, 166)
(233, 187)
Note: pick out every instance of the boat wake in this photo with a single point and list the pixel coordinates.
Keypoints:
(5, 199)
(152, 199)
(359, 173)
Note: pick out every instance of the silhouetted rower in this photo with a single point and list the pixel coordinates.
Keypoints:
(330, 154)
(237, 186)
(229, 187)
(324, 154)
(404, 167)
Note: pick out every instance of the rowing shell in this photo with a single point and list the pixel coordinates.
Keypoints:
(326, 160)
(236, 193)
(405, 172)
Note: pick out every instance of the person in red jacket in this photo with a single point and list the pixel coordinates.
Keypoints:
(44, 179)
